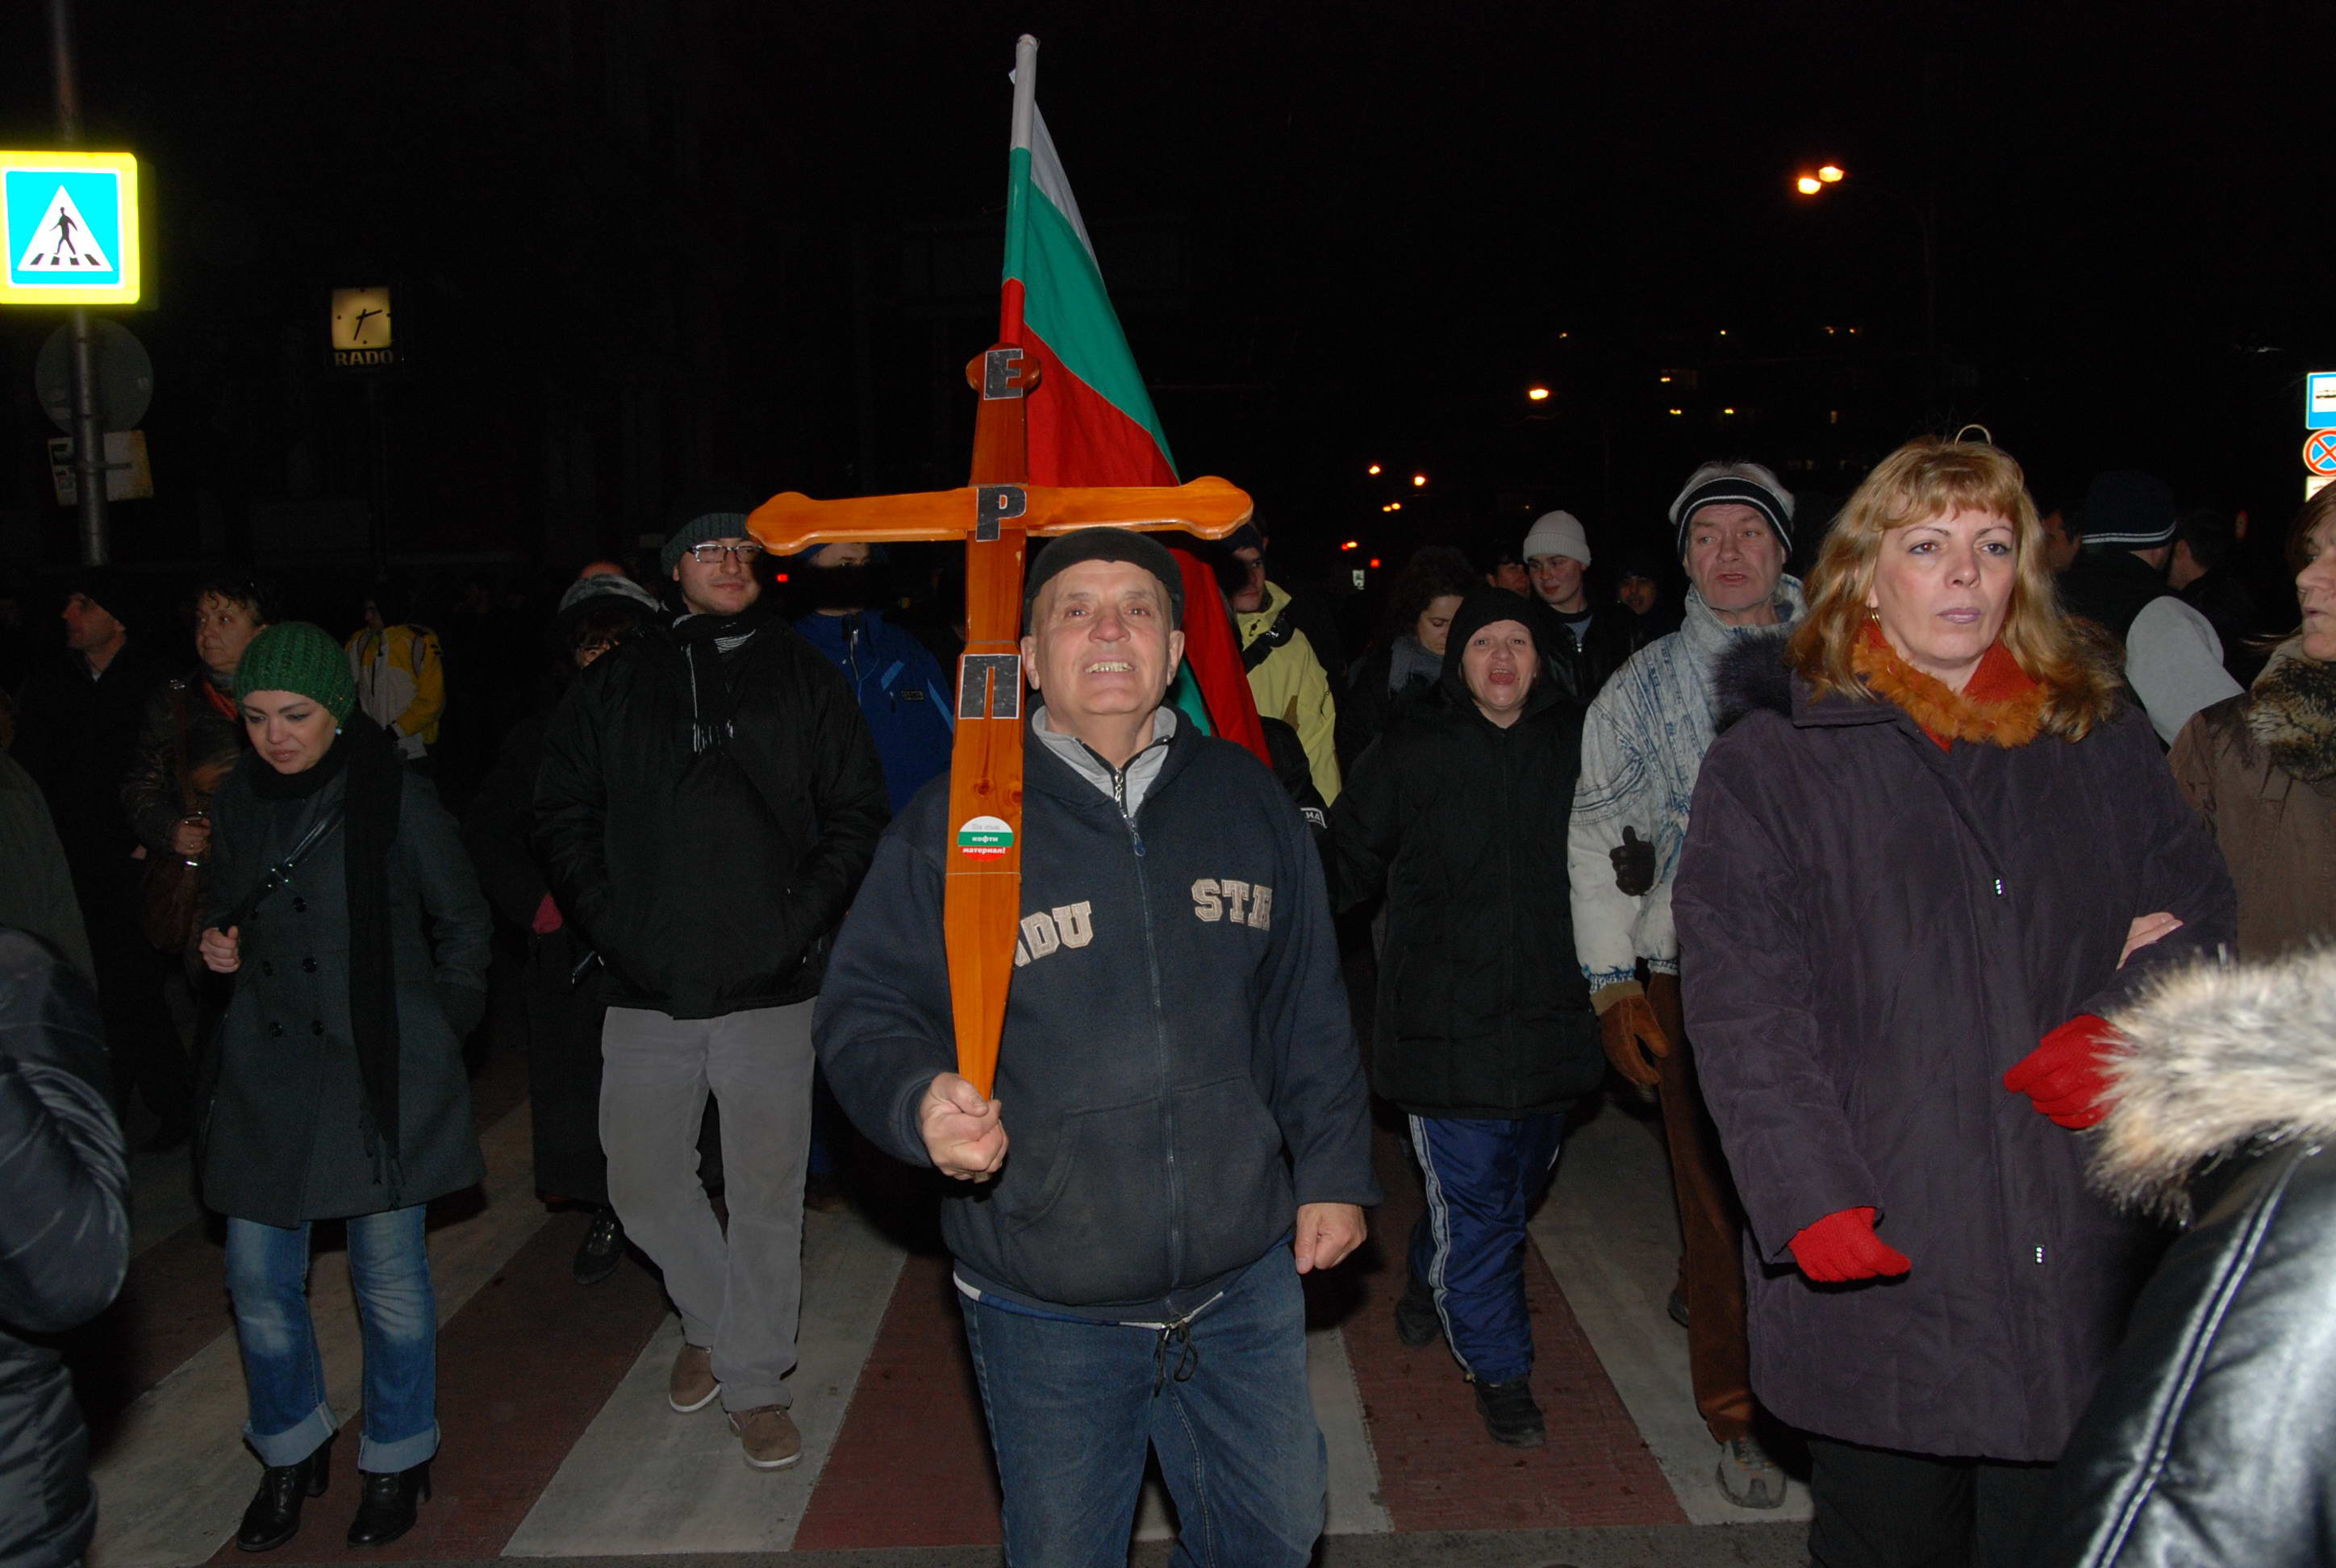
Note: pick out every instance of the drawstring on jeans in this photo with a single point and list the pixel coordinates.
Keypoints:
(1188, 1355)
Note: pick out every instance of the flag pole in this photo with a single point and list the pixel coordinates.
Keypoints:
(1025, 87)
(1017, 218)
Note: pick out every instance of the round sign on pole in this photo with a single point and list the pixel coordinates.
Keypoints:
(125, 376)
(2320, 452)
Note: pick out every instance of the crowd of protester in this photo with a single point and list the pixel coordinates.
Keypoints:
(1884, 885)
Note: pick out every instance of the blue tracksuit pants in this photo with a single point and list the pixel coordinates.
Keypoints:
(1482, 1178)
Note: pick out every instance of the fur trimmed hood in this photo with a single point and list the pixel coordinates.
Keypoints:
(2219, 1057)
(2290, 712)
(1752, 676)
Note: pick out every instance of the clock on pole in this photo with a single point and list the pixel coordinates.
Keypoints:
(362, 333)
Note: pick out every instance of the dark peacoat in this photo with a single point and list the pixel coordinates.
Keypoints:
(1872, 930)
(282, 1129)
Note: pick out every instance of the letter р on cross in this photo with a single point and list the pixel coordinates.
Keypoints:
(994, 514)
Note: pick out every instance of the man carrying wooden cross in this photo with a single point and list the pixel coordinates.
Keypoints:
(1130, 1236)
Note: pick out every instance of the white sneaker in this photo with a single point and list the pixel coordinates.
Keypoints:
(1748, 1476)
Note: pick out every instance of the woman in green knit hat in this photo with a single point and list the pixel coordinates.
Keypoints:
(337, 1089)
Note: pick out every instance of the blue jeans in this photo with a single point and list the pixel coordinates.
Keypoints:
(1073, 1405)
(267, 1277)
(1483, 1177)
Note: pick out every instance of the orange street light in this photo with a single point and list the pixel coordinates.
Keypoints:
(1537, 393)
(1350, 544)
(1925, 215)
(1418, 479)
(1373, 470)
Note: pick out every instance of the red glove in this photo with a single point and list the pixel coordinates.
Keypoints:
(1843, 1246)
(2067, 1075)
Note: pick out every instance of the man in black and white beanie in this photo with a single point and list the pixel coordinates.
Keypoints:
(1642, 745)
(1737, 483)
(2173, 658)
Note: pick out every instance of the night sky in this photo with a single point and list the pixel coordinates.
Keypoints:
(637, 245)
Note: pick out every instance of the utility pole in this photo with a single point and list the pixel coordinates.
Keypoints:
(89, 434)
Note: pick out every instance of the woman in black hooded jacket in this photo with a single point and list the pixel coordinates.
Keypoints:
(1484, 1034)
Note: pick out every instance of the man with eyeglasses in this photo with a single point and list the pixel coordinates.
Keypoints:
(708, 800)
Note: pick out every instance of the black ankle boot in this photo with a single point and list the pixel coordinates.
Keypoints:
(274, 1516)
(386, 1503)
(1510, 1414)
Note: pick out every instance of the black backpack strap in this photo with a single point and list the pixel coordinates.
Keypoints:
(1261, 646)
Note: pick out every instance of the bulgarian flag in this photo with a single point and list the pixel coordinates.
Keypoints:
(1090, 421)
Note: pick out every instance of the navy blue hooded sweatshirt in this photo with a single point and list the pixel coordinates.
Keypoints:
(1178, 1070)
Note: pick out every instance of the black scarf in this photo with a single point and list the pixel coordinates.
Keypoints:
(713, 684)
(376, 778)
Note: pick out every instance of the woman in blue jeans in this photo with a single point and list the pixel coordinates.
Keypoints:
(337, 1091)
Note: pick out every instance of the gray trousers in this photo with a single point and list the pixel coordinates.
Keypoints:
(740, 1296)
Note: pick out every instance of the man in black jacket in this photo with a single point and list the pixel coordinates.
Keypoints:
(1189, 1131)
(707, 802)
(77, 723)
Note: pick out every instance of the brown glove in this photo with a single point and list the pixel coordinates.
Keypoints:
(1630, 1035)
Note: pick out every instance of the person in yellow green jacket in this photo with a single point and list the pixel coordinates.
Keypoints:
(401, 672)
(1285, 674)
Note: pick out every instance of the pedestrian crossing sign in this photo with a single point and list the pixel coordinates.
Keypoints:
(69, 228)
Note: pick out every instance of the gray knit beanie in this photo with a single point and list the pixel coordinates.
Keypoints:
(711, 512)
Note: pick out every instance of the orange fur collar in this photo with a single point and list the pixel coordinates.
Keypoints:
(1999, 705)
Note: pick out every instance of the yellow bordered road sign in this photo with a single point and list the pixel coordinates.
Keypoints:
(69, 229)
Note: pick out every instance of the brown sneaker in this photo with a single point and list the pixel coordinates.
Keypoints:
(767, 1433)
(692, 1385)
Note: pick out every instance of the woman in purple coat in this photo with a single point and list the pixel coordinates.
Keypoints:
(1917, 863)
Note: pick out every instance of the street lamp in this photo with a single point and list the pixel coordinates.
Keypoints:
(1926, 222)
(1537, 393)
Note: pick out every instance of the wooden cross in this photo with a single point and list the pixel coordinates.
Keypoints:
(994, 514)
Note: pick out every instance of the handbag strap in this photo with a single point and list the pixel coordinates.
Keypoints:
(179, 745)
(276, 875)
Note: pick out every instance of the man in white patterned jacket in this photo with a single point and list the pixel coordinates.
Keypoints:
(1642, 745)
